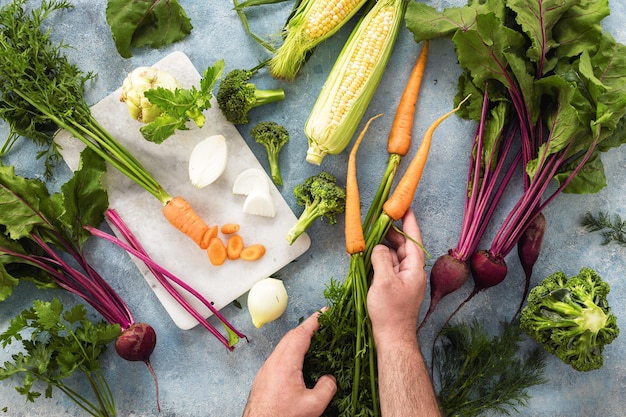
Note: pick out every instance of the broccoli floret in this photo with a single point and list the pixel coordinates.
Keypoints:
(571, 318)
(321, 197)
(273, 137)
(236, 95)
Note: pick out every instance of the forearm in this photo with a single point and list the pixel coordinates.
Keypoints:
(404, 383)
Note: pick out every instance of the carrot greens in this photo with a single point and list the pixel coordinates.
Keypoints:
(41, 91)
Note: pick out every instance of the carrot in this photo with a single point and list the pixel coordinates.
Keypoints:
(400, 135)
(252, 252)
(402, 197)
(216, 251)
(234, 246)
(181, 215)
(230, 228)
(355, 241)
(399, 140)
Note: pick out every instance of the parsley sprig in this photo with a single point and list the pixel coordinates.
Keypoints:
(56, 344)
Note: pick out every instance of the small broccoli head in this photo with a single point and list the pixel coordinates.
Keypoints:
(322, 198)
(236, 96)
(571, 318)
(273, 137)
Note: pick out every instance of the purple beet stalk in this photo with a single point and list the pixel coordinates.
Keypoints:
(164, 277)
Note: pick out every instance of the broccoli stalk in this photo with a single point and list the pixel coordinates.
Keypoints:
(321, 197)
(571, 318)
(273, 137)
(236, 96)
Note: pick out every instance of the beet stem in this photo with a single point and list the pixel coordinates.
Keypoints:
(156, 382)
(161, 274)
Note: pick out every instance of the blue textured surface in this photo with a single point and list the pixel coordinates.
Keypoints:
(197, 376)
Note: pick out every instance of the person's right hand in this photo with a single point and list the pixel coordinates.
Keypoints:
(399, 283)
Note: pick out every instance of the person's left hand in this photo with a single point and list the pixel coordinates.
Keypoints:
(279, 390)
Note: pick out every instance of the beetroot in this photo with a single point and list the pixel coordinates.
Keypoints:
(136, 343)
(447, 275)
(488, 269)
(528, 250)
(529, 244)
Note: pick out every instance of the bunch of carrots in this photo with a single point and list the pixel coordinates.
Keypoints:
(345, 322)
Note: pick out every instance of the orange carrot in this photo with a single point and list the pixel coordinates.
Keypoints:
(355, 241)
(401, 198)
(399, 140)
(181, 215)
(234, 246)
(230, 228)
(400, 135)
(216, 251)
(252, 252)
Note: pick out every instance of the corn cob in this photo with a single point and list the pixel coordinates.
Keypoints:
(311, 23)
(353, 80)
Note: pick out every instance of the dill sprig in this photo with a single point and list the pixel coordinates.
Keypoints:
(479, 372)
(611, 229)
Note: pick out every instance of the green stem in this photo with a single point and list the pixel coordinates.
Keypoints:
(382, 192)
(246, 26)
(107, 148)
(81, 401)
(356, 269)
(376, 235)
(121, 153)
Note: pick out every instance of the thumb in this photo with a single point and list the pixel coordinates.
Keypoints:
(382, 261)
(324, 391)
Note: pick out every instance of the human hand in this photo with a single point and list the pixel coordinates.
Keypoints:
(399, 284)
(279, 390)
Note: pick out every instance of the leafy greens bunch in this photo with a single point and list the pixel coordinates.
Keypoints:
(151, 23)
(56, 344)
(546, 70)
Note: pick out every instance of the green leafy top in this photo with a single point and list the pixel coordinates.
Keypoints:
(152, 23)
(57, 343)
(551, 64)
(181, 105)
(28, 209)
(42, 92)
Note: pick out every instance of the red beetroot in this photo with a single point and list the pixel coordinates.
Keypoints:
(528, 250)
(447, 275)
(136, 343)
(488, 269)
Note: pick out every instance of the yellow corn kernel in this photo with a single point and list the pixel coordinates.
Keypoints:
(313, 22)
(360, 65)
(324, 16)
(353, 80)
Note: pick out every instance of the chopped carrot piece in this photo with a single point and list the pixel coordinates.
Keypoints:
(216, 251)
(234, 246)
(252, 252)
(230, 228)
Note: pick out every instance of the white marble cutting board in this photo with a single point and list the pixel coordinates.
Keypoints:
(168, 163)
